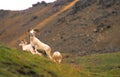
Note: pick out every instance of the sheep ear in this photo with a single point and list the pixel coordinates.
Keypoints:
(21, 42)
(36, 30)
(25, 41)
(18, 41)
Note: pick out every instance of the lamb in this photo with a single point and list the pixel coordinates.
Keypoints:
(34, 41)
(57, 57)
(28, 47)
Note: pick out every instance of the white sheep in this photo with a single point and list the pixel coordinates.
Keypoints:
(34, 41)
(28, 47)
(57, 57)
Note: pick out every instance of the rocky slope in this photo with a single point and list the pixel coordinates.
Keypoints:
(89, 26)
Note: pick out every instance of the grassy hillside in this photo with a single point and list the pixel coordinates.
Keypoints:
(15, 63)
(102, 65)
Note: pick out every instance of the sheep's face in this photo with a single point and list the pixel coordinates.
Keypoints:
(32, 32)
(21, 43)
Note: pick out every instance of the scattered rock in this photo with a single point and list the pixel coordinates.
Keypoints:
(43, 3)
(3, 13)
(81, 5)
(106, 3)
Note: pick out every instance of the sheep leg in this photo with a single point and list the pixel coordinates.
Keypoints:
(33, 52)
(48, 53)
(36, 48)
(38, 53)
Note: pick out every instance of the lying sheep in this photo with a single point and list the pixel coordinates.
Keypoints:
(28, 47)
(57, 57)
(34, 41)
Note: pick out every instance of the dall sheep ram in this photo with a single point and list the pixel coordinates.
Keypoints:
(34, 41)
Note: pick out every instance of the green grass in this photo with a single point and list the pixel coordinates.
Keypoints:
(101, 65)
(14, 63)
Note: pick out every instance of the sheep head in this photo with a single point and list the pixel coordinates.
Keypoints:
(33, 31)
(21, 43)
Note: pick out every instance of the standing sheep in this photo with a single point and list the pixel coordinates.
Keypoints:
(34, 41)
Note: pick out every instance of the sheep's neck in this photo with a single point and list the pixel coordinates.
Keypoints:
(31, 38)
